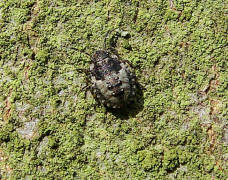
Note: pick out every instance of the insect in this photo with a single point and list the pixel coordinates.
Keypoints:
(113, 81)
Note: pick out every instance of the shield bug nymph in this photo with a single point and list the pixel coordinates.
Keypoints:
(112, 80)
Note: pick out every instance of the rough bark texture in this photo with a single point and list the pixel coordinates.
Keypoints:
(50, 128)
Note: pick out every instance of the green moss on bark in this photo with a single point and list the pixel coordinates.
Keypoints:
(50, 128)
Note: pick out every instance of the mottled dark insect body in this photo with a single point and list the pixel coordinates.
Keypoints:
(113, 80)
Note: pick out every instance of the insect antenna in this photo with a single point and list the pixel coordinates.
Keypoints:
(105, 39)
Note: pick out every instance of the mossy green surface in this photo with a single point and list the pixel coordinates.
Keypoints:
(51, 129)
